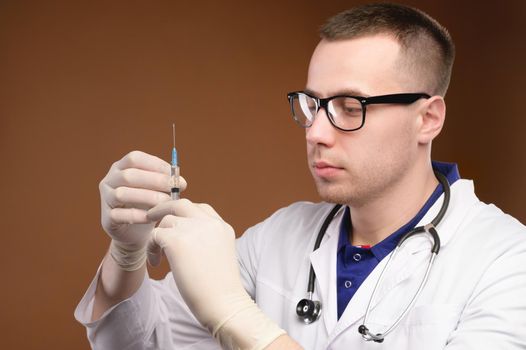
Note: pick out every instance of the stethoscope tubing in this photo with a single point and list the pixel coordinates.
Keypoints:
(380, 336)
(430, 229)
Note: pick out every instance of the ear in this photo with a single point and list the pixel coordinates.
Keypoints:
(432, 117)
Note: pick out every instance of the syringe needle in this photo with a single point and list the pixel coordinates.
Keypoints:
(174, 173)
(173, 131)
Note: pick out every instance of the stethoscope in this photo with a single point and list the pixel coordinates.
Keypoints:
(309, 310)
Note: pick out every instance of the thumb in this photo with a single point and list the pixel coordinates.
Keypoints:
(154, 253)
(155, 246)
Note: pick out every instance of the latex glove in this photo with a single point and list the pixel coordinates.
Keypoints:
(200, 248)
(134, 184)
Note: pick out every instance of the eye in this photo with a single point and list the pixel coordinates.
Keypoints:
(307, 104)
(348, 107)
(311, 105)
(352, 109)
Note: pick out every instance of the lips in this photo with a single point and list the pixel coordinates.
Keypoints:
(326, 170)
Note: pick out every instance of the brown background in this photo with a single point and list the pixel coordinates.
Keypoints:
(83, 83)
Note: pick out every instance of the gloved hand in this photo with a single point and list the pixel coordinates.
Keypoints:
(134, 184)
(200, 248)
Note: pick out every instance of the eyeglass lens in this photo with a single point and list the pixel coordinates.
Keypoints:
(345, 112)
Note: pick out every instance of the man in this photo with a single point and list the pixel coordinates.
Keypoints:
(373, 103)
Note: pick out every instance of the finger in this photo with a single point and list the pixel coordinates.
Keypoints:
(171, 221)
(161, 236)
(138, 178)
(182, 183)
(207, 208)
(128, 216)
(133, 197)
(154, 251)
(181, 207)
(144, 161)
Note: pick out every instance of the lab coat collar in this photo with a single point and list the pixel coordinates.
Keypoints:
(414, 253)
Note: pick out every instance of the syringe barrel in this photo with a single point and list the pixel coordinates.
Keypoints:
(174, 182)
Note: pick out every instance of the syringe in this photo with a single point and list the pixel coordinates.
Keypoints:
(174, 172)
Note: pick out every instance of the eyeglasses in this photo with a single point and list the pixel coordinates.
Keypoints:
(345, 112)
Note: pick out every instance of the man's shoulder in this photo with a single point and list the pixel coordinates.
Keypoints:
(299, 218)
(498, 224)
(306, 215)
(487, 228)
(480, 217)
(302, 210)
(285, 237)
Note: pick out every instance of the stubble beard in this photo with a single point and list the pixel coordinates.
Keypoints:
(341, 192)
(359, 190)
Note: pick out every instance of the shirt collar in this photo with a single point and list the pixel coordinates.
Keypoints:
(449, 170)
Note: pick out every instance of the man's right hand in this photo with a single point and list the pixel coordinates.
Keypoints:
(134, 184)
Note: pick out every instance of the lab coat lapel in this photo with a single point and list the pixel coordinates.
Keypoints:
(323, 262)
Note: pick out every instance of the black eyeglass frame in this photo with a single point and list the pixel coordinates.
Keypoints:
(402, 98)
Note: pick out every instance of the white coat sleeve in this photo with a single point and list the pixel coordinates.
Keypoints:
(495, 315)
(248, 248)
(155, 317)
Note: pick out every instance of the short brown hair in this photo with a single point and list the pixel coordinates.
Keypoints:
(427, 46)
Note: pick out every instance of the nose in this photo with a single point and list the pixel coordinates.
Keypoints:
(321, 132)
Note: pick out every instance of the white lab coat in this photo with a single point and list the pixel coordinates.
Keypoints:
(475, 297)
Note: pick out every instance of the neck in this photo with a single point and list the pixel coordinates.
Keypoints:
(379, 218)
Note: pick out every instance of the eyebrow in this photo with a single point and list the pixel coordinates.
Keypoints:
(350, 92)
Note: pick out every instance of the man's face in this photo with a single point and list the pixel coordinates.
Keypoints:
(359, 166)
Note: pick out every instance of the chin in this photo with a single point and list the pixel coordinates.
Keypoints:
(333, 193)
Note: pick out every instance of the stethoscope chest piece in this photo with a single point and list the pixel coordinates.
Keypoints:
(308, 310)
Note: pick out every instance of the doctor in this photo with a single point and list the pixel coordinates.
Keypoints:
(370, 154)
